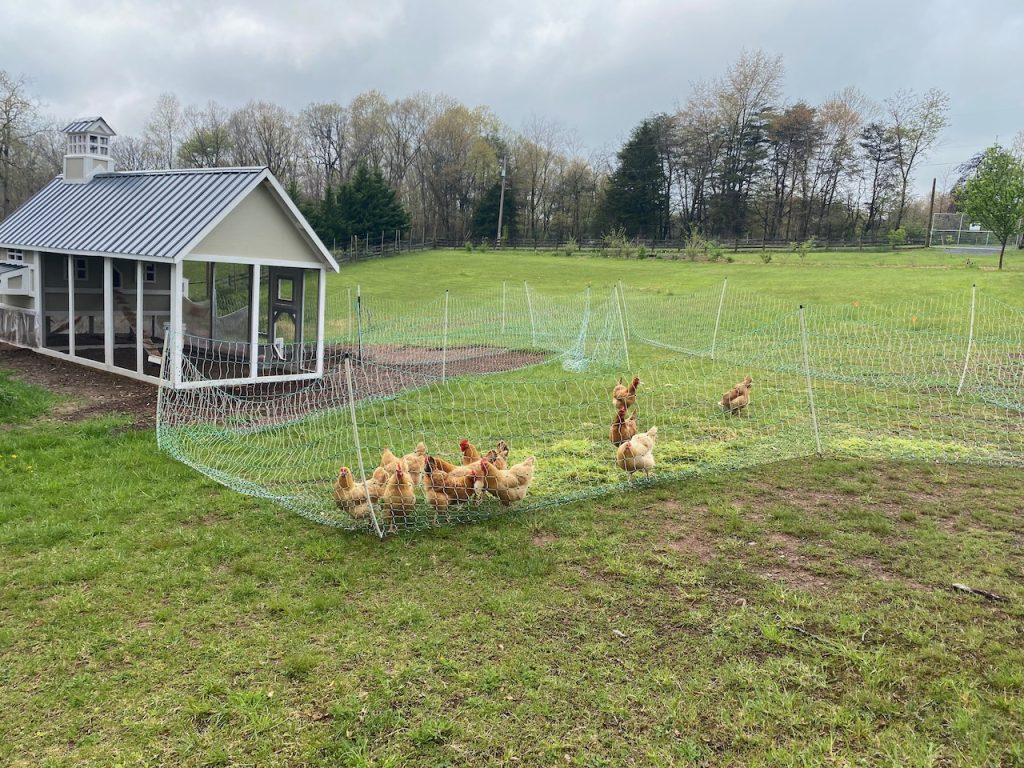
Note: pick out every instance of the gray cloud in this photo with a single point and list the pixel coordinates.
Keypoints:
(596, 67)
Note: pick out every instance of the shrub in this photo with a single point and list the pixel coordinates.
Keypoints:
(617, 244)
(766, 257)
(897, 237)
(696, 246)
(485, 244)
(802, 249)
(468, 245)
(571, 246)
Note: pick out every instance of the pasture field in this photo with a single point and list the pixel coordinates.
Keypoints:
(793, 613)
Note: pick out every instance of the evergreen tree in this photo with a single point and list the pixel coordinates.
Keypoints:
(367, 205)
(485, 217)
(636, 197)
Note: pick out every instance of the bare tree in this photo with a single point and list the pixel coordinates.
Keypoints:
(19, 123)
(265, 134)
(915, 122)
(130, 153)
(163, 129)
(207, 137)
(325, 134)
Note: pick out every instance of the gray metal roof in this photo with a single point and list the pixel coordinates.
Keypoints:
(146, 214)
(83, 124)
(10, 267)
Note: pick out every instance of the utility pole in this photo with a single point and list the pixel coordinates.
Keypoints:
(501, 202)
(931, 218)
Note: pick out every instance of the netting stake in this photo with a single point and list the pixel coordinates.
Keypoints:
(359, 450)
(807, 373)
(359, 322)
(348, 327)
(622, 324)
(504, 290)
(444, 340)
(718, 318)
(533, 325)
(970, 343)
(622, 294)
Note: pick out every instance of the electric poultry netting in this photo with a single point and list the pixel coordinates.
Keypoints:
(526, 379)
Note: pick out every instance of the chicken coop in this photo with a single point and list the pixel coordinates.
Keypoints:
(215, 265)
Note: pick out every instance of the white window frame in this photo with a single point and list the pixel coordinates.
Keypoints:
(81, 268)
(15, 255)
(149, 272)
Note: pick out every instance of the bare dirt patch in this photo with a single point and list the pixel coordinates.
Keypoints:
(790, 567)
(543, 539)
(90, 392)
(692, 544)
(880, 571)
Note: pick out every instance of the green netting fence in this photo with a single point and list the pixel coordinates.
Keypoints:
(938, 379)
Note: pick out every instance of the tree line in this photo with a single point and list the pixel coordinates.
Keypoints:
(734, 160)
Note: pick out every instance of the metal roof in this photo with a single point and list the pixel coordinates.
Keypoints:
(83, 124)
(145, 214)
(10, 267)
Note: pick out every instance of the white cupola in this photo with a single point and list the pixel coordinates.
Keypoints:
(88, 151)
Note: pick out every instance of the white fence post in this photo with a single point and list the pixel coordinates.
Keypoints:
(622, 325)
(970, 342)
(504, 290)
(622, 296)
(444, 340)
(718, 318)
(348, 326)
(807, 373)
(359, 322)
(533, 324)
(355, 439)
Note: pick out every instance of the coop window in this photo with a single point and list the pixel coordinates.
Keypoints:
(81, 269)
(150, 273)
(15, 255)
(285, 289)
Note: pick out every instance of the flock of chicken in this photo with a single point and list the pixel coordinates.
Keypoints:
(391, 491)
(392, 488)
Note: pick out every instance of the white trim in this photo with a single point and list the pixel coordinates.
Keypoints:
(139, 316)
(71, 305)
(217, 259)
(254, 322)
(85, 268)
(176, 329)
(145, 272)
(70, 252)
(242, 380)
(101, 366)
(108, 311)
(321, 302)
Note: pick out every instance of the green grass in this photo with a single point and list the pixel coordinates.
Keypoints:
(797, 613)
(20, 402)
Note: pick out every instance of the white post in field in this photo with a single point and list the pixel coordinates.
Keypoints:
(970, 342)
(444, 340)
(718, 318)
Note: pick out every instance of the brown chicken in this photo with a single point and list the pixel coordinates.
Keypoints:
(415, 462)
(469, 452)
(444, 490)
(461, 470)
(352, 496)
(388, 460)
(737, 398)
(397, 499)
(510, 484)
(622, 428)
(623, 396)
(637, 454)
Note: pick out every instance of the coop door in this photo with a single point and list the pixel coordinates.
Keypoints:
(285, 309)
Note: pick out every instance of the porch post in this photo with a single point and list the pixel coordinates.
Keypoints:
(140, 321)
(254, 322)
(176, 327)
(321, 300)
(71, 305)
(108, 311)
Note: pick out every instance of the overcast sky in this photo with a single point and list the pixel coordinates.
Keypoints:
(596, 67)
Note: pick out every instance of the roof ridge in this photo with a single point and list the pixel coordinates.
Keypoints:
(181, 171)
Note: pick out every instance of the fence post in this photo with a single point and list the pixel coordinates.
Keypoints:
(970, 343)
(504, 291)
(359, 323)
(622, 325)
(807, 373)
(348, 327)
(444, 340)
(359, 449)
(718, 318)
(529, 305)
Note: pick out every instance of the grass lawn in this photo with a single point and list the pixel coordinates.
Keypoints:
(797, 613)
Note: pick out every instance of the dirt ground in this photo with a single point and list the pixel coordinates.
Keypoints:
(89, 392)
